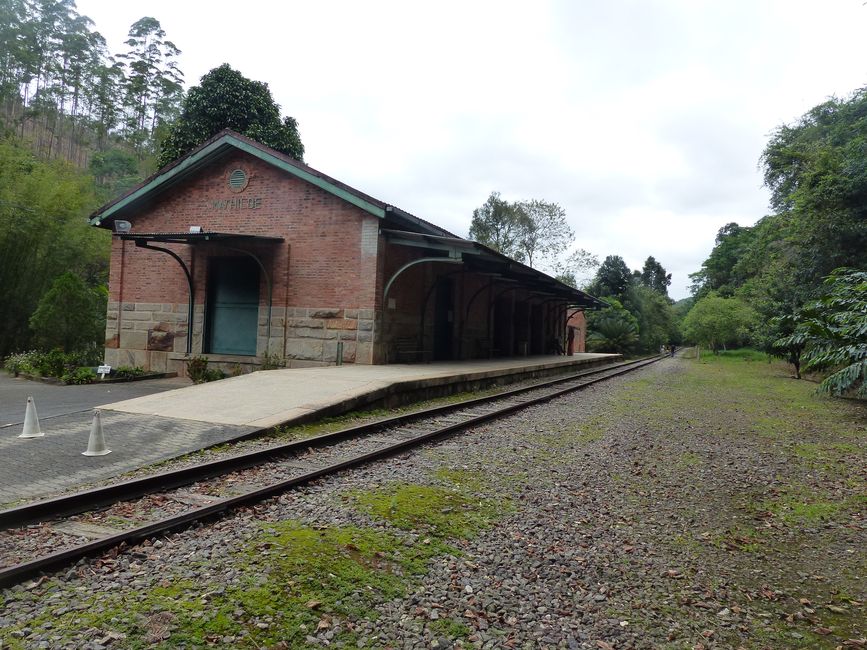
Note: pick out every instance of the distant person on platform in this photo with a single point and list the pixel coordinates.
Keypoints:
(673, 348)
(570, 342)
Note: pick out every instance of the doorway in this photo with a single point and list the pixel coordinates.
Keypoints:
(232, 317)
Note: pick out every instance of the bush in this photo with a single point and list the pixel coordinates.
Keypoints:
(128, 372)
(90, 354)
(54, 364)
(272, 361)
(70, 315)
(612, 329)
(23, 362)
(197, 370)
(79, 376)
(214, 374)
(833, 331)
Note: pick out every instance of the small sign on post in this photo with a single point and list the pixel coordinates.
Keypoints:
(102, 371)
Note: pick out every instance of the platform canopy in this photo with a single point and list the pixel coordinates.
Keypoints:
(193, 238)
(478, 258)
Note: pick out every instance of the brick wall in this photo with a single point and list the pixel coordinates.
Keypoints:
(323, 276)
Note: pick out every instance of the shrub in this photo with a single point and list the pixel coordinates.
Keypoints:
(70, 315)
(23, 362)
(272, 361)
(214, 374)
(128, 372)
(90, 354)
(833, 330)
(54, 364)
(197, 370)
(79, 376)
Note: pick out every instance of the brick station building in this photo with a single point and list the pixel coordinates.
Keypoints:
(267, 256)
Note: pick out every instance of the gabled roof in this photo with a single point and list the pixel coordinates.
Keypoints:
(225, 143)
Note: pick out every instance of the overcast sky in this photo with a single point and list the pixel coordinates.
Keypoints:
(644, 119)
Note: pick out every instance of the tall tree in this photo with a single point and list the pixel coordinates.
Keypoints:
(546, 234)
(655, 315)
(153, 80)
(576, 267)
(721, 271)
(653, 276)
(225, 99)
(612, 279)
(499, 225)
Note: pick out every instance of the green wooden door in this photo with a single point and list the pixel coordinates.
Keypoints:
(233, 306)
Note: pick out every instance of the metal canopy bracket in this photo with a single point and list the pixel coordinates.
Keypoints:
(453, 258)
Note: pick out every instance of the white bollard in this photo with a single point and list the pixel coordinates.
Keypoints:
(96, 442)
(31, 421)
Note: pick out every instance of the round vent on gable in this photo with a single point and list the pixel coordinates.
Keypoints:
(238, 180)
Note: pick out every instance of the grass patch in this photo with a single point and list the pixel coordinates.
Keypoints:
(802, 508)
(688, 459)
(449, 628)
(436, 511)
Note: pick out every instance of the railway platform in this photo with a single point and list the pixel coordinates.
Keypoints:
(153, 428)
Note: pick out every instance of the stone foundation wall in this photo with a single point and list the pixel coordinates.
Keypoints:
(312, 335)
(154, 336)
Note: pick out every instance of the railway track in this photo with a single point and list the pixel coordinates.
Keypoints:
(131, 511)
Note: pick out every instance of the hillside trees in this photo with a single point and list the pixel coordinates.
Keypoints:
(816, 172)
(225, 99)
(61, 90)
(721, 272)
(152, 90)
(43, 233)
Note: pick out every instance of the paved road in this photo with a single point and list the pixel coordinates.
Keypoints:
(52, 400)
(51, 464)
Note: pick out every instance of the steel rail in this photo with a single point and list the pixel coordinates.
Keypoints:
(95, 498)
(17, 573)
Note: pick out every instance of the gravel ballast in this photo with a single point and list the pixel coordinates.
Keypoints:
(635, 514)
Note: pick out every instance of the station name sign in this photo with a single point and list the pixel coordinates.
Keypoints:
(236, 204)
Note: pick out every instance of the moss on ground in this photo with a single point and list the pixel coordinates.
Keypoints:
(294, 579)
(435, 511)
